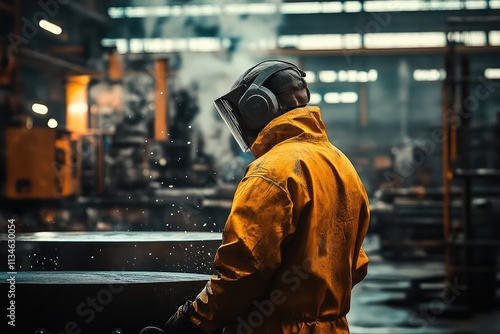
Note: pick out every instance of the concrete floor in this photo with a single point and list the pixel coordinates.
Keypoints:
(386, 303)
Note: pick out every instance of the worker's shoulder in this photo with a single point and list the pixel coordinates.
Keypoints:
(283, 159)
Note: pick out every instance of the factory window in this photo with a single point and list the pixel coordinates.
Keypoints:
(352, 6)
(297, 8)
(329, 76)
(302, 8)
(494, 37)
(315, 42)
(492, 73)
(405, 40)
(310, 76)
(468, 38)
(344, 97)
(306, 42)
(315, 98)
(429, 75)
(495, 4)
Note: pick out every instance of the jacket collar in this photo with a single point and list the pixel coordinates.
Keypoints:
(300, 124)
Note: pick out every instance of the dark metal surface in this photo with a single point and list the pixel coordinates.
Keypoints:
(98, 303)
(97, 251)
(408, 298)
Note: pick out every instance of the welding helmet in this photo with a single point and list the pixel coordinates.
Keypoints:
(262, 93)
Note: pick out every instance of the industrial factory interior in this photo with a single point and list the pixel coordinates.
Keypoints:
(118, 175)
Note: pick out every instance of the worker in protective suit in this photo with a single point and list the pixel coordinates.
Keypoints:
(291, 250)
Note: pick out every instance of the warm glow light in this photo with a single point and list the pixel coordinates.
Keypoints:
(52, 123)
(77, 108)
(50, 27)
(77, 104)
(39, 108)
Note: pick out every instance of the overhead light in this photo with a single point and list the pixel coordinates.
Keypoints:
(492, 73)
(469, 38)
(344, 97)
(301, 8)
(50, 27)
(343, 76)
(310, 76)
(348, 97)
(327, 76)
(362, 76)
(39, 108)
(52, 123)
(319, 42)
(331, 7)
(494, 37)
(352, 6)
(315, 98)
(332, 97)
(405, 40)
(372, 75)
(429, 75)
(494, 4)
(348, 76)
(352, 41)
(253, 8)
(476, 4)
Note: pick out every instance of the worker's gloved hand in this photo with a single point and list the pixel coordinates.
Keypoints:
(180, 322)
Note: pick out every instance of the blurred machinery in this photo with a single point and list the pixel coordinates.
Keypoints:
(41, 164)
(458, 222)
(133, 144)
(470, 162)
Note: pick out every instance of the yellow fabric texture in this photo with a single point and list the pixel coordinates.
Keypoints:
(291, 249)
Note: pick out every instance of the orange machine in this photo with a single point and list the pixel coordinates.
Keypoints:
(41, 164)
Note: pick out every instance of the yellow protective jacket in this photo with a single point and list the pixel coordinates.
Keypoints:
(291, 249)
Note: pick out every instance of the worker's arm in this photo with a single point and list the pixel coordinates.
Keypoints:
(261, 217)
(361, 269)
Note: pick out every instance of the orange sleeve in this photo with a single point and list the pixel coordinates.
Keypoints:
(260, 218)
(361, 268)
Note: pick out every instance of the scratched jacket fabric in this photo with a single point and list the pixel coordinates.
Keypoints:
(291, 249)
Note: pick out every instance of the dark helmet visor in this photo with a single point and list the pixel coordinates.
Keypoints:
(227, 106)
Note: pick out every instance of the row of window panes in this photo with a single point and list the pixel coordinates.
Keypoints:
(299, 8)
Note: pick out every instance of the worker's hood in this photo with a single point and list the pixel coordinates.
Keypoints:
(298, 124)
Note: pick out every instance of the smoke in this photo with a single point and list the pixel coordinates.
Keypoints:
(214, 73)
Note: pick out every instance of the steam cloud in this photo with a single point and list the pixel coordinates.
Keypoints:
(214, 73)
